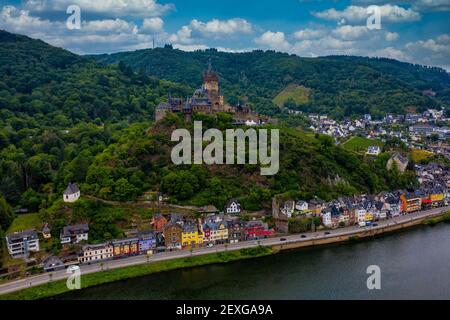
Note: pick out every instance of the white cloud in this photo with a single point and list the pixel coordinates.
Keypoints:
(431, 5)
(152, 25)
(357, 14)
(109, 26)
(273, 40)
(96, 36)
(391, 36)
(431, 51)
(348, 32)
(20, 21)
(190, 47)
(416, 5)
(182, 36)
(393, 53)
(347, 40)
(217, 27)
(115, 8)
(305, 34)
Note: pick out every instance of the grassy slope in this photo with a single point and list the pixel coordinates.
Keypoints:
(418, 155)
(25, 222)
(299, 94)
(94, 279)
(360, 145)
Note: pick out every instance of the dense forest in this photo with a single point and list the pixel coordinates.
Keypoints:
(340, 86)
(57, 111)
(69, 118)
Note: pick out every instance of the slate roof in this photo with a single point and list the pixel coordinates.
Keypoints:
(75, 229)
(72, 188)
(19, 236)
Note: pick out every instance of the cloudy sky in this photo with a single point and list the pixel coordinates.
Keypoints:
(416, 31)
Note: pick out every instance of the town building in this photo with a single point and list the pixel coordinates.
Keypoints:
(72, 193)
(158, 222)
(316, 205)
(96, 253)
(20, 244)
(46, 232)
(172, 235)
(301, 205)
(288, 208)
(233, 207)
(236, 231)
(255, 230)
(411, 202)
(53, 263)
(400, 160)
(360, 214)
(191, 236)
(125, 247)
(74, 234)
(373, 151)
(147, 242)
(216, 233)
(326, 218)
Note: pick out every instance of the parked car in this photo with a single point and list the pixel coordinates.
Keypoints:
(283, 239)
(303, 236)
(209, 245)
(327, 233)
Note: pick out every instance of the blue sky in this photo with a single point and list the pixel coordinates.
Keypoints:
(416, 31)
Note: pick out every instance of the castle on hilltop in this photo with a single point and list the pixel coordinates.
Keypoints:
(208, 100)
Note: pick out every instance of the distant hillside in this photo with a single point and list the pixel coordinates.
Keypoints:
(340, 86)
(42, 82)
(292, 94)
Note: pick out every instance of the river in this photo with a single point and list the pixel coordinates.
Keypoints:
(414, 264)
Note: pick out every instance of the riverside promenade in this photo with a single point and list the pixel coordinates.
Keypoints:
(277, 243)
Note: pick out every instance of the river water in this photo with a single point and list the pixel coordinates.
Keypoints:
(414, 264)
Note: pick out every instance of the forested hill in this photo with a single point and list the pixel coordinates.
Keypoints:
(50, 85)
(58, 111)
(341, 86)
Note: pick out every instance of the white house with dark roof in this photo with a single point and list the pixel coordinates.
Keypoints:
(72, 193)
(373, 151)
(74, 234)
(301, 205)
(233, 207)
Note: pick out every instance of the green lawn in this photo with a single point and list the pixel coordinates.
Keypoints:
(360, 145)
(25, 222)
(299, 94)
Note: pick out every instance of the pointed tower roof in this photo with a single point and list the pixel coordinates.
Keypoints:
(210, 74)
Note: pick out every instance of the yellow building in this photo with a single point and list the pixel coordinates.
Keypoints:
(219, 233)
(436, 197)
(191, 237)
(369, 216)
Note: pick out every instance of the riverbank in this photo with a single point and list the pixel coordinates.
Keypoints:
(366, 233)
(40, 287)
(94, 279)
(331, 272)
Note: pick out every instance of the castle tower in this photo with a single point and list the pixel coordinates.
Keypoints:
(211, 86)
